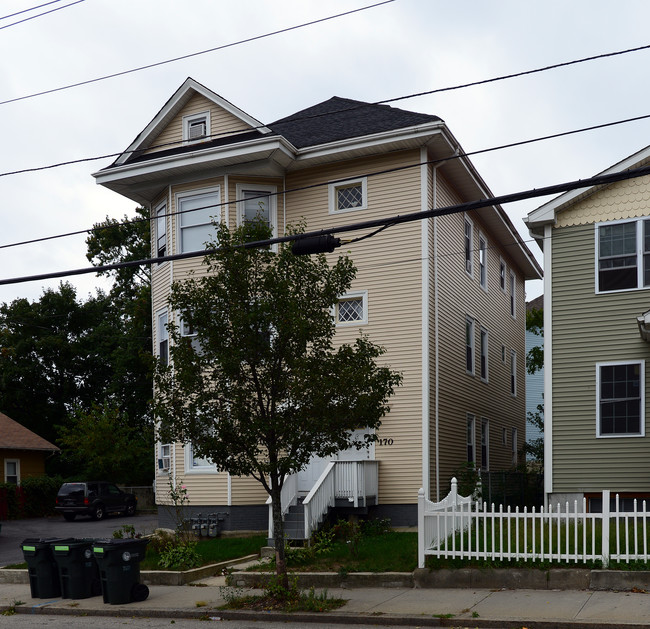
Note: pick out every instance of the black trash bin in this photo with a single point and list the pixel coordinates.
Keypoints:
(78, 570)
(119, 569)
(43, 571)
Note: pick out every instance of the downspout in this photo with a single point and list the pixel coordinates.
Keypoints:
(548, 365)
(425, 245)
(436, 331)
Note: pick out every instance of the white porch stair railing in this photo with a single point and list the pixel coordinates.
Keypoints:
(353, 481)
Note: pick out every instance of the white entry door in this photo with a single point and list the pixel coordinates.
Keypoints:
(307, 478)
(352, 454)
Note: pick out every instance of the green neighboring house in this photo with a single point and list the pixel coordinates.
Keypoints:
(596, 244)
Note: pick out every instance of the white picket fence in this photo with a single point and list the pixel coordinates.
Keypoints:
(458, 527)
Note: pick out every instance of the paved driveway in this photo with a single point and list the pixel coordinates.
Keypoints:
(15, 531)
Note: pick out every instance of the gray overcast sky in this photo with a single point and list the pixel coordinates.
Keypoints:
(401, 48)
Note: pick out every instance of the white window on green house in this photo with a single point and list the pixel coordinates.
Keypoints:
(620, 391)
(352, 309)
(195, 215)
(485, 444)
(471, 429)
(346, 196)
(12, 471)
(469, 345)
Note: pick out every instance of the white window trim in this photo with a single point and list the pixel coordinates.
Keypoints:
(160, 206)
(159, 314)
(162, 457)
(352, 295)
(485, 462)
(513, 294)
(190, 468)
(17, 462)
(470, 261)
(472, 345)
(641, 364)
(179, 197)
(639, 255)
(273, 211)
(504, 266)
(484, 334)
(187, 120)
(513, 373)
(333, 187)
(471, 418)
(483, 260)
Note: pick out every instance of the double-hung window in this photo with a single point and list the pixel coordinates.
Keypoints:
(352, 309)
(513, 373)
(161, 231)
(482, 260)
(485, 444)
(163, 337)
(515, 446)
(471, 456)
(468, 246)
(257, 202)
(620, 407)
(12, 471)
(195, 464)
(195, 215)
(623, 255)
(469, 345)
(513, 295)
(502, 275)
(346, 196)
(165, 458)
(484, 354)
(189, 333)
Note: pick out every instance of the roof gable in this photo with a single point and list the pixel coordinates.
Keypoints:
(341, 119)
(165, 130)
(14, 436)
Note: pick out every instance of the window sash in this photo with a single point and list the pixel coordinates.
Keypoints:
(482, 246)
(470, 439)
(196, 213)
(161, 231)
(484, 354)
(623, 255)
(468, 246)
(469, 345)
(620, 399)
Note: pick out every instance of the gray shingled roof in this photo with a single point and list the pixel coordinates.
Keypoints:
(342, 118)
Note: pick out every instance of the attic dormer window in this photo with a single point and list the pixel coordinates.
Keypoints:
(196, 127)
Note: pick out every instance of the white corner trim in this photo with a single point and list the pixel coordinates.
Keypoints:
(426, 385)
(548, 363)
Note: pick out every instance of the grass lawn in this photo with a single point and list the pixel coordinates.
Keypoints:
(214, 550)
(390, 552)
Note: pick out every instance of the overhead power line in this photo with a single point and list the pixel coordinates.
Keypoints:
(33, 17)
(193, 54)
(325, 183)
(362, 225)
(38, 6)
(320, 115)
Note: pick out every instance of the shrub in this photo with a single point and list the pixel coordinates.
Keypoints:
(181, 556)
(35, 497)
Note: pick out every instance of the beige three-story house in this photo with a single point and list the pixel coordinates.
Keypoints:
(596, 244)
(445, 296)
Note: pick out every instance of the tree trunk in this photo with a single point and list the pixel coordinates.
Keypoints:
(278, 536)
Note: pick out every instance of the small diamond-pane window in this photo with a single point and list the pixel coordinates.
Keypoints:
(348, 197)
(351, 310)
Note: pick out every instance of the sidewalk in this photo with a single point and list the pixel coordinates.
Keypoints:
(420, 607)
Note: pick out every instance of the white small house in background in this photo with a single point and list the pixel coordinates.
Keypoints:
(534, 382)
(444, 296)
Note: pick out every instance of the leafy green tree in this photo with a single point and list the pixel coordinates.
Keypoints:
(101, 442)
(535, 362)
(262, 387)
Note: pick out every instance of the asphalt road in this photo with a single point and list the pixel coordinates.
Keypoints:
(15, 531)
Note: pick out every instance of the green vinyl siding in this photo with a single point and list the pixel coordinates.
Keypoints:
(588, 329)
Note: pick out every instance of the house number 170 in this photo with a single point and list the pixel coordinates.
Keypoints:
(385, 442)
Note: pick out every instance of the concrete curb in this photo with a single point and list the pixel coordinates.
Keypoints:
(327, 617)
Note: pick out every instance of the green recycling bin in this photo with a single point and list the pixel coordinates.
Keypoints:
(42, 569)
(78, 570)
(119, 569)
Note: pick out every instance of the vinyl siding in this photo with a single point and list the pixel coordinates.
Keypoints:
(590, 328)
(389, 269)
(221, 122)
(461, 393)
